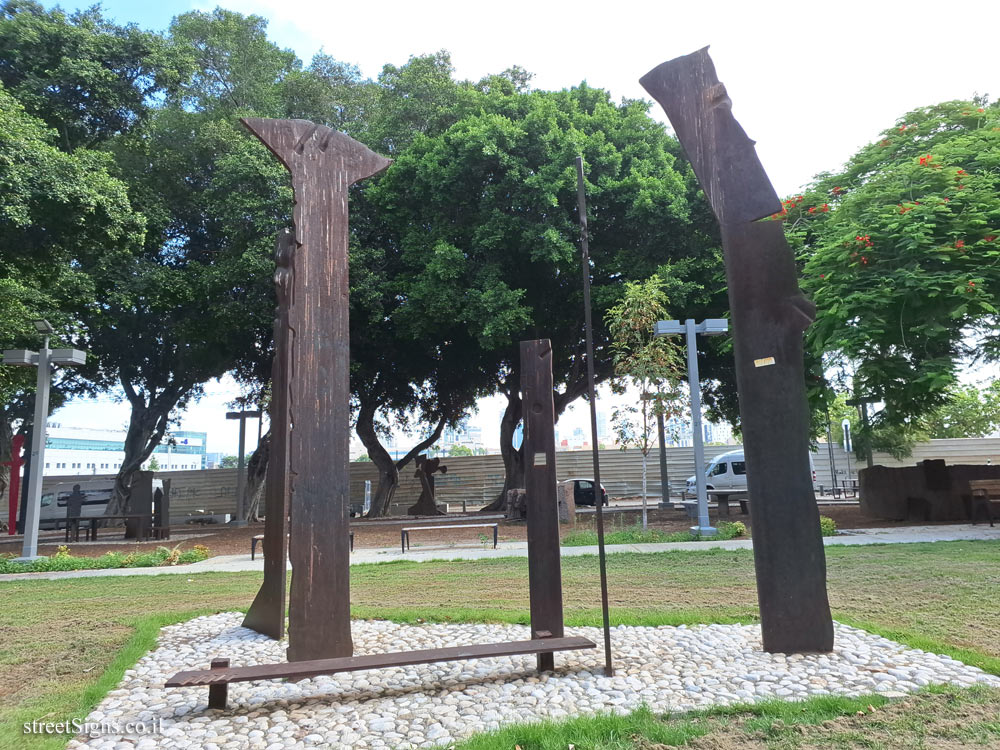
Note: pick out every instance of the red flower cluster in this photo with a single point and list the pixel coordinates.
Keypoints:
(926, 160)
(864, 241)
(990, 237)
(885, 142)
(960, 244)
(822, 209)
(903, 209)
(837, 190)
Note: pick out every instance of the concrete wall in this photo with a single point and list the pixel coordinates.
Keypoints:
(478, 479)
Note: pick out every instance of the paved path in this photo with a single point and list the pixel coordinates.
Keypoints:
(243, 563)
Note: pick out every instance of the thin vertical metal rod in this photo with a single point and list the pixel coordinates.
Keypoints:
(609, 669)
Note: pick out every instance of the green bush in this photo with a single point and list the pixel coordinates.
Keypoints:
(63, 560)
(635, 535)
(731, 530)
(828, 526)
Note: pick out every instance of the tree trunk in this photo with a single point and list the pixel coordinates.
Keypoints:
(388, 474)
(513, 459)
(6, 439)
(388, 470)
(146, 427)
(253, 493)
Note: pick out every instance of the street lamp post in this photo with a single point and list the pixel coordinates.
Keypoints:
(708, 327)
(43, 359)
(241, 478)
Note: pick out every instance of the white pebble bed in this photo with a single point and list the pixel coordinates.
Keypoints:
(669, 669)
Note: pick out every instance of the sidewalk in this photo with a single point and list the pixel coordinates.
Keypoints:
(243, 563)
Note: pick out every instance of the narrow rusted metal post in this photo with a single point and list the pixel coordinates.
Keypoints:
(581, 195)
(323, 164)
(544, 571)
(267, 613)
(769, 316)
(218, 694)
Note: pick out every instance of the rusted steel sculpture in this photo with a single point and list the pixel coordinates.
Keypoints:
(267, 613)
(425, 470)
(323, 164)
(544, 572)
(769, 315)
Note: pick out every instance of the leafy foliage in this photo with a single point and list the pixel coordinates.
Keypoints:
(900, 254)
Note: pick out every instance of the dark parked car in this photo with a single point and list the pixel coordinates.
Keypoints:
(583, 491)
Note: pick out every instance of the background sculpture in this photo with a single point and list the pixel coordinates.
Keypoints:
(426, 468)
(769, 315)
(323, 164)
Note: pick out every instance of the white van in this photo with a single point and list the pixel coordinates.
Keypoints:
(97, 495)
(728, 471)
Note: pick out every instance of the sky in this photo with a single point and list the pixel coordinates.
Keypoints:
(810, 82)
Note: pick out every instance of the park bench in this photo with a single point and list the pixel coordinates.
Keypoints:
(220, 674)
(983, 490)
(143, 521)
(404, 534)
(259, 538)
(721, 498)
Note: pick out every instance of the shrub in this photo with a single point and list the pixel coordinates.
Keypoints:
(731, 530)
(828, 526)
(63, 560)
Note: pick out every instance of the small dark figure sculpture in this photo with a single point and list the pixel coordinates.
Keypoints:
(74, 503)
(426, 468)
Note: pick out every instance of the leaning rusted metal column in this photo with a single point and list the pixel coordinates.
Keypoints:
(769, 315)
(267, 613)
(323, 164)
(544, 571)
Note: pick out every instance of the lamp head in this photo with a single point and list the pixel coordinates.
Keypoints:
(43, 326)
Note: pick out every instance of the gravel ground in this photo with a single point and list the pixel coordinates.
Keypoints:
(667, 668)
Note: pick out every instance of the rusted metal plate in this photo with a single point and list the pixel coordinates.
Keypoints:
(769, 315)
(315, 667)
(323, 164)
(544, 571)
(267, 613)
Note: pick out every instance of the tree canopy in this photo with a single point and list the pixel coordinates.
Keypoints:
(900, 251)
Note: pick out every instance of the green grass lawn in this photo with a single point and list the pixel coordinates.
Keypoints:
(66, 642)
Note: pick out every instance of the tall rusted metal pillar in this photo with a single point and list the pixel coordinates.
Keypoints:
(769, 315)
(544, 570)
(323, 164)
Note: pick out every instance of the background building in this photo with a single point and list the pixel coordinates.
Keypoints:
(83, 450)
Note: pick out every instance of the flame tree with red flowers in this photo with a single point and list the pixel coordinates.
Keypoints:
(900, 252)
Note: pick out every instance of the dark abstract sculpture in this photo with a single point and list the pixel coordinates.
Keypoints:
(323, 164)
(769, 315)
(544, 570)
(426, 468)
(267, 613)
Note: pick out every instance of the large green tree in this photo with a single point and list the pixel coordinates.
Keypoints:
(87, 77)
(900, 252)
(481, 219)
(60, 215)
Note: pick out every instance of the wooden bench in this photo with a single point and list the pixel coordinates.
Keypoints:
(218, 677)
(721, 499)
(260, 538)
(404, 534)
(983, 490)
